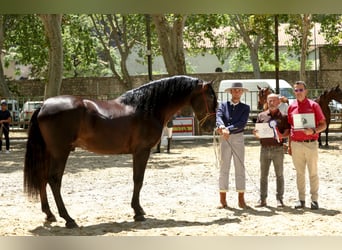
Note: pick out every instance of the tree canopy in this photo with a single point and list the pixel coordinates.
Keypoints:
(99, 45)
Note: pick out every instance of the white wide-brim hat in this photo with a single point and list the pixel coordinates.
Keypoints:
(236, 85)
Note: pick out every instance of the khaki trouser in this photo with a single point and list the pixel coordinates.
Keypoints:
(233, 148)
(305, 154)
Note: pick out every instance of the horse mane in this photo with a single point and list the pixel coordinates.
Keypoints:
(159, 93)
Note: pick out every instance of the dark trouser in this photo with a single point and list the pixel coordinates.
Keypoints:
(5, 131)
(273, 154)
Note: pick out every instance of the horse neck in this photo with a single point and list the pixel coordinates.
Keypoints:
(167, 111)
(325, 99)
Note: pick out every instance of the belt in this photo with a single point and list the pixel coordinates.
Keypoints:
(272, 146)
(307, 140)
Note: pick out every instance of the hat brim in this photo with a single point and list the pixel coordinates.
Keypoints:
(228, 89)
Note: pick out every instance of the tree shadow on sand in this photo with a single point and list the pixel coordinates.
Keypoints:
(125, 226)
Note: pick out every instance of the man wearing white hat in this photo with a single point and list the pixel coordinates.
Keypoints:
(231, 119)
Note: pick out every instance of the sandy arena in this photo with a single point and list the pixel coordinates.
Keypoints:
(179, 196)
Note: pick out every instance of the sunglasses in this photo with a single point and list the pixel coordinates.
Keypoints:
(299, 90)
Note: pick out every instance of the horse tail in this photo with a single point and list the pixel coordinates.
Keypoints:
(36, 159)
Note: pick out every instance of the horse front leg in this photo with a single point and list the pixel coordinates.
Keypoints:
(326, 136)
(140, 159)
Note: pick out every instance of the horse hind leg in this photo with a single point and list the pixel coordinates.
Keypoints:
(55, 182)
(50, 217)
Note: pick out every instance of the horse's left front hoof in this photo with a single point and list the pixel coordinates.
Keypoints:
(140, 217)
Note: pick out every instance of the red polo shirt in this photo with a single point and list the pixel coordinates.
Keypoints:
(304, 107)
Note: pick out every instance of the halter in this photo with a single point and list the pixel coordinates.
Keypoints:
(208, 114)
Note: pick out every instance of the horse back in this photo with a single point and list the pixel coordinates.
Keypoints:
(99, 126)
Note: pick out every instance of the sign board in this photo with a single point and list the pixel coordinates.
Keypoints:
(183, 126)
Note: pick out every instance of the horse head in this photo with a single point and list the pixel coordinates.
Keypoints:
(204, 104)
(336, 93)
(262, 97)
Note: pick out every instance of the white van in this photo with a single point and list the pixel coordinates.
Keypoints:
(251, 97)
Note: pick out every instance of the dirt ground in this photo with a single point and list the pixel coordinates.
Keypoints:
(179, 196)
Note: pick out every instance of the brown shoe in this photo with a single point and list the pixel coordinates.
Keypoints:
(242, 203)
(261, 203)
(223, 201)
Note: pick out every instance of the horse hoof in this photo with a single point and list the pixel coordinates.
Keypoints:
(139, 217)
(50, 219)
(71, 224)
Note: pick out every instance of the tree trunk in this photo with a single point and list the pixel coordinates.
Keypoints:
(120, 42)
(253, 46)
(171, 43)
(4, 90)
(52, 26)
(306, 25)
(255, 62)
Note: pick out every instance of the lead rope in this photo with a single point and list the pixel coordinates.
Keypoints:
(217, 148)
(208, 114)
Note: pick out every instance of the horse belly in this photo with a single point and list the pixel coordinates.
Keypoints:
(103, 145)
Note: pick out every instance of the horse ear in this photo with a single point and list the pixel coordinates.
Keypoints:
(204, 83)
(258, 87)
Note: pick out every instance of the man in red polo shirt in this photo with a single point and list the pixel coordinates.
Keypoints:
(307, 121)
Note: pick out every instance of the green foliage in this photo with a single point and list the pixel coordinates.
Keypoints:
(331, 28)
(117, 35)
(84, 53)
(204, 29)
(80, 58)
(25, 42)
(240, 62)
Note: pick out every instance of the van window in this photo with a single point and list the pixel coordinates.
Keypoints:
(287, 92)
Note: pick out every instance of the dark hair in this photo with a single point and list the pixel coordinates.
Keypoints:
(218, 69)
(301, 82)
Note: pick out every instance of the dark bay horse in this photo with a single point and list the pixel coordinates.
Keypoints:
(129, 124)
(262, 97)
(323, 100)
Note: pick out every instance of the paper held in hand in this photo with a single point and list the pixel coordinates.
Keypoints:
(263, 130)
(301, 121)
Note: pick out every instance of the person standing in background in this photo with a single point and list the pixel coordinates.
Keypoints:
(167, 130)
(5, 120)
